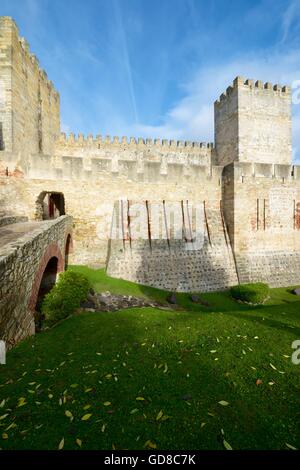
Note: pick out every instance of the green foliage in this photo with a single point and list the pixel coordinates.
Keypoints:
(256, 293)
(65, 297)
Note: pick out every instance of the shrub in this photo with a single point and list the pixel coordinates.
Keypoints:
(65, 297)
(256, 293)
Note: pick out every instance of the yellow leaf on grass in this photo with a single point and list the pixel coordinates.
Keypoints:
(4, 436)
(69, 414)
(202, 425)
(107, 403)
(159, 416)
(150, 444)
(61, 444)
(79, 442)
(223, 403)
(3, 417)
(273, 367)
(140, 399)
(227, 445)
(86, 417)
(108, 376)
(103, 428)
(290, 447)
(165, 417)
(21, 402)
(86, 407)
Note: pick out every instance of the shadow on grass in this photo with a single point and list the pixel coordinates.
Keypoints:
(250, 420)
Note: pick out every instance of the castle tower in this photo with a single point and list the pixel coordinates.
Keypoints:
(29, 104)
(253, 123)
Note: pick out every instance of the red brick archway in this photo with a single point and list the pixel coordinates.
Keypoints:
(52, 251)
(68, 248)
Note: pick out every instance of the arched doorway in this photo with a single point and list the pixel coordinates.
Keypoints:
(50, 265)
(50, 205)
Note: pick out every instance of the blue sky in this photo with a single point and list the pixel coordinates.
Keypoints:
(153, 68)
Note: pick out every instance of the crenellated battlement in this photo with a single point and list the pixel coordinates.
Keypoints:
(35, 62)
(101, 141)
(8, 23)
(34, 122)
(250, 84)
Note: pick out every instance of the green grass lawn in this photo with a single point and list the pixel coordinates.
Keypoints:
(145, 378)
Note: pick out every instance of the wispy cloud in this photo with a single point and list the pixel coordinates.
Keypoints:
(290, 19)
(125, 53)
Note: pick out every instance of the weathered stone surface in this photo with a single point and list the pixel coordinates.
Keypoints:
(108, 302)
(23, 260)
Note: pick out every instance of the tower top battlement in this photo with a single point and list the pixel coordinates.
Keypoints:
(258, 85)
(29, 110)
(253, 123)
(8, 23)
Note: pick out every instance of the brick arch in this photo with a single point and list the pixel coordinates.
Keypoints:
(52, 250)
(68, 243)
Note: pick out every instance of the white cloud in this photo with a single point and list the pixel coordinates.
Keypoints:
(192, 117)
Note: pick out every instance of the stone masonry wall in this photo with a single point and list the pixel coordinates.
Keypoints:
(175, 264)
(262, 203)
(29, 104)
(21, 267)
(253, 123)
(90, 200)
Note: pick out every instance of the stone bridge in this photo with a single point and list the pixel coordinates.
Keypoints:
(31, 255)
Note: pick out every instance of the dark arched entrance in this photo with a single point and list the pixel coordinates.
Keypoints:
(51, 264)
(47, 282)
(50, 205)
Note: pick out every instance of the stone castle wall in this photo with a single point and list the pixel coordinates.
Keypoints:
(90, 200)
(161, 260)
(29, 104)
(248, 169)
(262, 203)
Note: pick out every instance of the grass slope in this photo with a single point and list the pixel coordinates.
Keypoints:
(149, 377)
